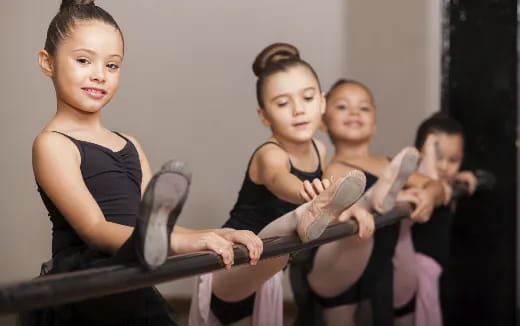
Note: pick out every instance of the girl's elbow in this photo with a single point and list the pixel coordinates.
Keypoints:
(95, 238)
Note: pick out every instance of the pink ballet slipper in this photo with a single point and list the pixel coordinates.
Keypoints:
(330, 204)
(382, 196)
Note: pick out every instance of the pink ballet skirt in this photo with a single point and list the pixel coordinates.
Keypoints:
(427, 307)
(268, 309)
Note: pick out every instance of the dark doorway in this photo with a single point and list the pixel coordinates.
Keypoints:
(480, 90)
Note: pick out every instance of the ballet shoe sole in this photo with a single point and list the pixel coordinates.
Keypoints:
(408, 166)
(348, 192)
(156, 240)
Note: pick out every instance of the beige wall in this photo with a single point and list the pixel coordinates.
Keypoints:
(187, 92)
(394, 48)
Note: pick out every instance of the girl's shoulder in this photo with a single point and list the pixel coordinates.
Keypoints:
(267, 160)
(52, 154)
(53, 143)
(270, 153)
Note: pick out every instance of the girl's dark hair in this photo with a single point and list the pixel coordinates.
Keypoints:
(438, 122)
(275, 58)
(70, 12)
(344, 81)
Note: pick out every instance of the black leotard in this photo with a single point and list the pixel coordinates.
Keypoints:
(114, 180)
(255, 208)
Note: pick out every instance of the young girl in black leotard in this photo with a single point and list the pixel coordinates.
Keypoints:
(441, 142)
(283, 173)
(350, 121)
(91, 179)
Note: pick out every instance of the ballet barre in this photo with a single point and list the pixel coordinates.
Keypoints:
(57, 289)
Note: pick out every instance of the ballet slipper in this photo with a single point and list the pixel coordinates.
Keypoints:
(382, 196)
(330, 204)
(160, 207)
(429, 158)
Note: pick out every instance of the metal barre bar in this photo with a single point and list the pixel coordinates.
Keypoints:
(63, 288)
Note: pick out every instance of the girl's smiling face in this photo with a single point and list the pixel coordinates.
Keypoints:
(86, 66)
(350, 114)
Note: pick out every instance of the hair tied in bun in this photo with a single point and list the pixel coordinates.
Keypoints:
(274, 53)
(275, 58)
(70, 3)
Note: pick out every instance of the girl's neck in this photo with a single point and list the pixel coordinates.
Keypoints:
(351, 151)
(295, 149)
(71, 118)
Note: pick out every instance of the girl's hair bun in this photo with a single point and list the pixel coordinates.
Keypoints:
(274, 53)
(70, 3)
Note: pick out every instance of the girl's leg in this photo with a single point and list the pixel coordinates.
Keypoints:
(338, 265)
(308, 219)
(344, 260)
(405, 277)
(405, 271)
(159, 209)
(242, 281)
